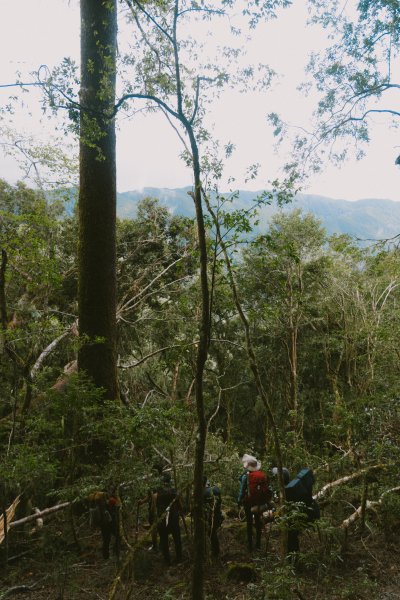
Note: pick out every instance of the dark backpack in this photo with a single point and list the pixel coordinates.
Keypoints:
(257, 488)
(212, 505)
(166, 499)
(299, 489)
(99, 515)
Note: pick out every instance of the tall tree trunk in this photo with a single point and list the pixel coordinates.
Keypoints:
(97, 195)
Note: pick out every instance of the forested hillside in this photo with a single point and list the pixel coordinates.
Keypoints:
(323, 319)
(369, 219)
(199, 390)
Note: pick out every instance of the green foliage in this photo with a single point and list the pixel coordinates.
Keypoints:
(339, 299)
(48, 166)
(390, 515)
(354, 78)
(323, 313)
(279, 583)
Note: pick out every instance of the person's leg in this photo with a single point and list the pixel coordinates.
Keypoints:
(293, 541)
(214, 541)
(249, 526)
(106, 538)
(154, 539)
(163, 534)
(258, 524)
(176, 536)
(115, 530)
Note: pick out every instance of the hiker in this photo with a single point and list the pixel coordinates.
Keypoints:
(298, 493)
(152, 517)
(292, 534)
(104, 513)
(285, 474)
(268, 511)
(254, 496)
(167, 507)
(212, 514)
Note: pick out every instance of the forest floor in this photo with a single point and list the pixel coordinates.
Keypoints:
(50, 567)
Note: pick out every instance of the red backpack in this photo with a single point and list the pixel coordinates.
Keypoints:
(257, 488)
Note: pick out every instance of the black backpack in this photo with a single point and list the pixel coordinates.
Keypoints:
(299, 489)
(212, 505)
(166, 499)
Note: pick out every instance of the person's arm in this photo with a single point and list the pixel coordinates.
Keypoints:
(243, 488)
(145, 499)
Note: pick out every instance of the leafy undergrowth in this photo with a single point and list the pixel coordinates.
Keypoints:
(50, 567)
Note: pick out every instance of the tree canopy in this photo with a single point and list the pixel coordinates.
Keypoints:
(149, 354)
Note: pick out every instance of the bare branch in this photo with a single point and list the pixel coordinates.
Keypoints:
(43, 513)
(178, 133)
(210, 11)
(128, 306)
(323, 491)
(132, 300)
(370, 505)
(21, 85)
(142, 360)
(126, 97)
(375, 110)
(216, 411)
(49, 349)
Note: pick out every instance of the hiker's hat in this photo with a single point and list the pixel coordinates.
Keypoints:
(285, 473)
(250, 462)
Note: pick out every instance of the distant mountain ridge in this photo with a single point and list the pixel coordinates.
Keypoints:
(365, 219)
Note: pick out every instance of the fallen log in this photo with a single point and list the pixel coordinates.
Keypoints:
(37, 515)
(369, 505)
(323, 491)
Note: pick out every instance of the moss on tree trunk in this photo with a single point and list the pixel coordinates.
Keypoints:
(97, 195)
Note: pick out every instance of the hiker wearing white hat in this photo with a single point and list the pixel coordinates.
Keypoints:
(254, 492)
(250, 463)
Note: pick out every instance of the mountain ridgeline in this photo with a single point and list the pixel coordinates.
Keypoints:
(368, 219)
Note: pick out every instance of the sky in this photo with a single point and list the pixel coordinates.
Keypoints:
(44, 31)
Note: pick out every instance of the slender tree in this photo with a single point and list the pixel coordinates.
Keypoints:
(177, 76)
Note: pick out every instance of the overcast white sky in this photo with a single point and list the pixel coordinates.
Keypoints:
(44, 31)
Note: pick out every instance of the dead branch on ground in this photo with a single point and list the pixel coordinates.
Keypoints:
(369, 505)
(342, 480)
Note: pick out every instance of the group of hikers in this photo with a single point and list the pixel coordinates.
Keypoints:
(165, 511)
(257, 498)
